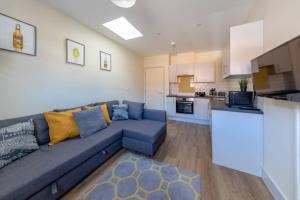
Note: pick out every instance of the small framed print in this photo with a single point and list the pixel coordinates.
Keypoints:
(105, 61)
(17, 36)
(75, 53)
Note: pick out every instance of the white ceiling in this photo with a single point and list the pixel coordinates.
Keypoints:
(164, 21)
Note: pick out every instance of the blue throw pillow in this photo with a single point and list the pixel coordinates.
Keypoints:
(89, 121)
(135, 110)
(120, 112)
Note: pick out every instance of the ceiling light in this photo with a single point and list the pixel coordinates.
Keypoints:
(124, 3)
(123, 28)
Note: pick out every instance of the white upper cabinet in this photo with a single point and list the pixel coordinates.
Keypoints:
(205, 73)
(246, 43)
(185, 69)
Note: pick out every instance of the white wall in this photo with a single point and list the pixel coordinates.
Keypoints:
(281, 20)
(30, 85)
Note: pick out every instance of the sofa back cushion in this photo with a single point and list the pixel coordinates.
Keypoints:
(62, 125)
(135, 110)
(17, 141)
(109, 106)
(41, 130)
(90, 121)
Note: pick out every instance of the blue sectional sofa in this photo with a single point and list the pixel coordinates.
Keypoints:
(51, 171)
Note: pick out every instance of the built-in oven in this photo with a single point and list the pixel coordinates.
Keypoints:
(185, 105)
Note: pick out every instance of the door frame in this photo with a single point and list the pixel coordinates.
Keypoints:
(164, 84)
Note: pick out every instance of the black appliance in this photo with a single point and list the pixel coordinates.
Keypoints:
(240, 99)
(213, 92)
(185, 105)
(200, 94)
(276, 74)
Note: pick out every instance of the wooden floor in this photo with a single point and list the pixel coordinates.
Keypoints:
(189, 146)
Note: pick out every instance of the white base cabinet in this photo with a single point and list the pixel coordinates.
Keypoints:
(237, 141)
(171, 106)
(201, 111)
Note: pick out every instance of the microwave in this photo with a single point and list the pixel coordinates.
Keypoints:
(240, 99)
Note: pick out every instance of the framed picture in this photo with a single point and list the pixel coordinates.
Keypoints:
(75, 53)
(17, 36)
(105, 61)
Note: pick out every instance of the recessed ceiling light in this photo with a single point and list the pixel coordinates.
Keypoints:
(124, 3)
(123, 28)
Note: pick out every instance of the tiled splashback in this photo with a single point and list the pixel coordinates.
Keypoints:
(224, 85)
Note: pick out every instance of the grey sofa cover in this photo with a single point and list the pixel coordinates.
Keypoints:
(32, 173)
(143, 130)
(67, 163)
(144, 136)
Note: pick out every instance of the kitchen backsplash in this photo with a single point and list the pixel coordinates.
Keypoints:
(224, 85)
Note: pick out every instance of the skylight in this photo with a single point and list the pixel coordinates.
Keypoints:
(123, 28)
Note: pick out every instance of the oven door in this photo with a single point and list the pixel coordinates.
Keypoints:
(184, 106)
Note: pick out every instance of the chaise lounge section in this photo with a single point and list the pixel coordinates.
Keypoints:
(51, 171)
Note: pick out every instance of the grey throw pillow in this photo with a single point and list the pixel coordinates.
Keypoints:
(120, 112)
(89, 121)
(135, 110)
(17, 141)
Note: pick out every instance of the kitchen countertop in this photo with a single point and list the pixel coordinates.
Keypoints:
(221, 105)
(186, 96)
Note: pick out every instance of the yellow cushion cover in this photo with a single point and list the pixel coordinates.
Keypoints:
(104, 111)
(62, 125)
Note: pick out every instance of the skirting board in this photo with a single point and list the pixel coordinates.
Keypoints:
(272, 186)
(195, 121)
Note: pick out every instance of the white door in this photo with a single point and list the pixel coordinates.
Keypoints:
(154, 88)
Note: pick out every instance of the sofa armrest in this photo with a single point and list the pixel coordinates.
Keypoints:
(155, 115)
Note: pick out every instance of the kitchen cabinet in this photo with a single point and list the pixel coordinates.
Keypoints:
(246, 43)
(173, 73)
(171, 106)
(265, 60)
(282, 59)
(237, 141)
(185, 69)
(201, 109)
(226, 61)
(294, 47)
(255, 66)
(205, 73)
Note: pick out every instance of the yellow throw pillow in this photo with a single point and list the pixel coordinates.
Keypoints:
(104, 111)
(62, 125)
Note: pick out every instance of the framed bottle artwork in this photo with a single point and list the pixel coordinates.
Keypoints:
(75, 52)
(17, 36)
(105, 61)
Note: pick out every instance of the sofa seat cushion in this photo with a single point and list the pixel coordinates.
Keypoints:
(144, 130)
(24, 177)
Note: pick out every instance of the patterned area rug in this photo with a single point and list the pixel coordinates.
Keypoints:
(135, 177)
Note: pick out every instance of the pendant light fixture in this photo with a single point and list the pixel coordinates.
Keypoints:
(124, 3)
